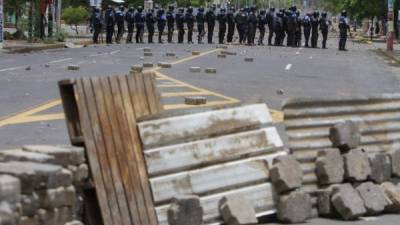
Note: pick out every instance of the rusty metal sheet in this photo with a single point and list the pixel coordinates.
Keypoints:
(216, 153)
(307, 122)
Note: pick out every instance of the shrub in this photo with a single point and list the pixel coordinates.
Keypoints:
(75, 16)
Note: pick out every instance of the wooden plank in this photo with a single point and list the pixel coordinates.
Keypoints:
(150, 93)
(103, 189)
(202, 125)
(134, 95)
(190, 155)
(142, 97)
(135, 152)
(221, 177)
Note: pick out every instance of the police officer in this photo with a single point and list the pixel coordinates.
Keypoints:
(343, 28)
(262, 21)
(150, 21)
(307, 29)
(278, 28)
(291, 26)
(221, 17)
(180, 25)
(161, 21)
(324, 26)
(120, 19)
(200, 19)
(230, 17)
(170, 22)
(241, 23)
(210, 19)
(270, 21)
(110, 23)
(96, 24)
(314, 30)
(189, 18)
(284, 25)
(297, 34)
(130, 20)
(139, 20)
(252, 23)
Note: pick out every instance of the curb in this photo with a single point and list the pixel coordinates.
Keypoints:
(389, 55)
(42, 47)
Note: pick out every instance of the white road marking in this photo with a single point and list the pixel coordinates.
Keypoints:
(114, 52)
(60, 60)
(310, 57)
(12, 68)
(94, 55)
(288, 66)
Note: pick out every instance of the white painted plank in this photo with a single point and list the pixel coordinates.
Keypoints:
(169, 130)
(210, 151)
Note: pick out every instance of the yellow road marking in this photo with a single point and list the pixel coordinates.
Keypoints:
(170, 85)
(184, 106)
(178, 94)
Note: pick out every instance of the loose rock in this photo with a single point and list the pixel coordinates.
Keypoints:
(373, 197)
(195, 100)
(347, 202)
(381, 167)
(195, 69)
(392, 194)
(286, 174)
(148, 65)
(195, 53)
(165, 65)
(170, 54)
(345, 135)
(73, 67)
(148, 54)
(249, 59)
(329, 167)
(294, 207)
(221, 56)
(395, 157)
(211, 70)
(137, 68)
(185, 210)
(237, 210)
(356, 165)
(25, 156)
(10, 189)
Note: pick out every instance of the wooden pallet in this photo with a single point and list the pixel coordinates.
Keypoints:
(101, 115)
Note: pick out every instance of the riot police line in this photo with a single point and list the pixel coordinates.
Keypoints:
(282, 24)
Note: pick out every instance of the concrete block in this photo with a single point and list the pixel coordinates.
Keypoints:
(356, 165)
(237, 210)
(170, 54)
(395, 158)
(10, 189)
(196, 52)
(185, 210)
(148, 54)
(324, 203)
(77, 154)
(225, 52)
(30, 204)
(165, 65)
(345, 135)
(223, 56)
(62, 178)
(79, 173)
(137, 69)
(373, 197)
(23, 156)
(195, 100)
(74, 222)
(286, 174)
(25, 220)
(381, 167)
(195, 69)
(63, 155)
(148, 65)
(211, 70)
(348, 202)
(147, 49)
(7, 215)
(392, 194)
(329, 167)
(294, 207)
(51, 198)
(73, 67)
(48, 217)
(247, 59)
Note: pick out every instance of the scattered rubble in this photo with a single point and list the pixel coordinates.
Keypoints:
(395, 157)
(195, 100)
(356, 165)
(392, 194)
(147, 49)
(196, 52)
(286, 174)
(329, 167)
(195, 69)
(221, 56)
(170, 54)
(294, 207)
(345, 135)
(137, 68)
(373, 197)
(237, 210)
(247, 59)
(347, 202)
(211, 70)
(147, 54)
(381, 167)
(165, 65)
(185, 210)
(148, 65)
(73, 67)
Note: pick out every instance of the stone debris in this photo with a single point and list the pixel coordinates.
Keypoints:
(137, 69)
(373, 197)
(165, 65)
(237, 210)
(195, 69)
(356, 165)
(347, 202)
(27, 68)
(147, 54)
(249, 59)
(225, 52)
(73, 67)
(329, 167)
(392, 194)
(147, 50)
(286, 174)
(195, 100)
(148, 65)
(63, 156)
(280, 92)
(196, 52)
(30, 204)
(170, 54)
(294, 207)
(211, 70)
(24, 156)
(221, 56)
(324, 203)
(185, 210)
(395, 157)
(345, 135)
(381, 167)
(10, 189)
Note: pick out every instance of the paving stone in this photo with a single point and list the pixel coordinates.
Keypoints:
(381, 167)
(237, 210)
(10, 189)
(147, 54)
(211, 70)
(222, 46)
(65, 215)
(32, 175)
(324, 203)
(73, 67)
(30, 204)
(347, 202)
(28, 68)
(373, 197)
(25, 220)
(221, 56)
(75, 222)
(195, 100)
(51, 198)
(294, 207)
(170, 54)
(195, 69)
(165, 65)
(395, 159)
(345, 135)
(148, 65)
(80, 173)
(196, 52)
(185, 210)
(392, 194)
(286, 174)
(20, 155)
(137, 69)
(225, 52)
(329, 167)
(249, 59)
(7, 215)
(147, 49)
(63, 178)
(48, 217)
(63, 155)
(356, 165)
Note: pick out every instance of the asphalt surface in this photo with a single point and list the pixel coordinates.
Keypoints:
(30, 113)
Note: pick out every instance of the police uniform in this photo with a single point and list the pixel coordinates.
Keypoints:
(222, 26)
(161, 21)
(343, 28)
(307, 29)
(120, 19)
(139, 21)
(180, 25)
(324, 27)
(110, 23)
(130, 21)
(150, 21)
(230, 17)
(261, 21)
(270, 21)
(314, 30)
(96, 25)
(200, 19)
(189, 18)
(210, 19)
(170, 23)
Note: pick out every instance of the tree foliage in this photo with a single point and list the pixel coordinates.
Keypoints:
(358, 9)
(75, 16)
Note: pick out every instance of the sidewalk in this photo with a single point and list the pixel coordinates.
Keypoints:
(395, 55)
(11, 46)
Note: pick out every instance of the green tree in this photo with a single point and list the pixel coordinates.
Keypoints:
(75, 16)
(17, 7)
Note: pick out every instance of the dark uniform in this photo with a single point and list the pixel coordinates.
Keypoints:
(120, 19)
(241, 23)
(314, 30)
(139, 21)
(150, 21)
(252, 23)
(161, 21)
(180, 25)
(343, 28)
(170, 23)
(130, 21)
(189, 19)
(324, 26)
(210, 19)
(284, 26)
(221, 17)
(270, 20)
(307, 29)
(278, 28)
(110, 23)
(96, 22)
(230, 17)
(200, 19)
(262, 21)
(291, 27)
(297, 35)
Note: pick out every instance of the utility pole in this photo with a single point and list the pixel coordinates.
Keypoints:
(1, 25)
(390, 32)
